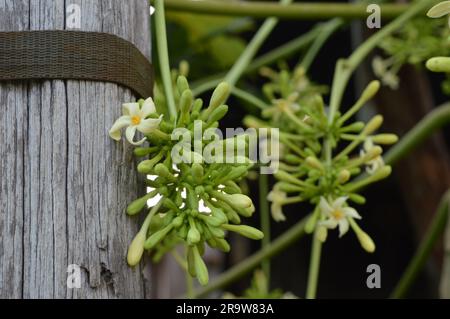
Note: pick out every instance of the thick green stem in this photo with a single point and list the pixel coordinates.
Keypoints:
(314, 267)
(252, 48)
(264, 212)
(436, 119)
(301, 11)
(163, 56)
(279, 53)
(275, 247)
(422, 254)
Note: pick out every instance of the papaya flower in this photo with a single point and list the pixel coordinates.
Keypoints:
(337, 214)
(374, 164)
(134, 118)
(277, 198)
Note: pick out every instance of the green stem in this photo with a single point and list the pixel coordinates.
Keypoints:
(425, 248)
(279, 53)
(302, 11)
(163, 56)
(275, 247)
(435, 120)
(346, 67)
(265, 221)
(326, 30)
(252, 48)
(250, 98)
(314, 267)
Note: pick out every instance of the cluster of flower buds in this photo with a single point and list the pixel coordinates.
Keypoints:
(328, 181)
(194, 201)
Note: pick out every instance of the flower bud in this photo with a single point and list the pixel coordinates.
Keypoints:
(382, 173)
(223, 245)
(136, 249)
(365, 241)
(374, 152)
(184, 68)
(193, 236)
(373, 125)
(157, 237)
(218, 114)
(138, 205)
(343, 176)
(370, 91)
(238, 200)
(217, 232)
(185, 102)
(311, 224)
(219, 96)
(385, 139)
(197, 172)
(322, 233)
(143, 151)
(200, 268)
(244, 230)
(314, 162)
(163, 171)
(178, 221)
(191, 261)
(356, 198)
(182, 84)
(439, 64)
(145, 167)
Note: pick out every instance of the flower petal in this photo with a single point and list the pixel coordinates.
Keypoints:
(339, 202)
(351, 212)
(277, 213)
(439, 10)
(121, 122)
(146, 126)
(131, 109)
(147, 108)
(324, 206)
(329, 223)
(130, 132)
(343, 227)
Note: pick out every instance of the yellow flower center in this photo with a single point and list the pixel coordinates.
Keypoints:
(338, 214)
(135, 120)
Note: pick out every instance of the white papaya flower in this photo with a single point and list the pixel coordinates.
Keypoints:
(277, 198)
(374, 164)
(135, 119)
(337, 214)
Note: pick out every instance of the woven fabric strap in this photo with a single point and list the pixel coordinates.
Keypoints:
(35, 55)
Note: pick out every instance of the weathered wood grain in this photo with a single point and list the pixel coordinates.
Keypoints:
(64, 185)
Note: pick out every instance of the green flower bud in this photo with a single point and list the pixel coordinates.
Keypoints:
(313, 162)
(183, 231)
(370, 91)
(439, 64)
(236, 172)
(217, 232)
(193, 236)
(373, 125)
(146, 167)
(386, 139)
(287, 187)
(244, 230)
(185, 103)
(182, 84)
(184, 68)
(136, 249)
(178, 221)
(322, 233)
(382, 173)
(138, 205)
(354, 127)
(219, 214)
(219, 96)
(157, 237)
(197, 172)
(143, 151)
(223, 245)
(211, 220)
(356, 198)
(200, 268)
(343, 176)
(163, 171)
(217, 114)
(198, 105)
(365, 241)
(311, 224)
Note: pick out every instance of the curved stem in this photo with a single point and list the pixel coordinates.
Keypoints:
(275, 247)
(163, 56)
(250, 98)
(302, 10)
(346, 67)
(264, 212)
(326, 30)
(417, 263)
(252, 48)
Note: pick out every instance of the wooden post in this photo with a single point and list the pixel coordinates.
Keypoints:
(64, 184)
